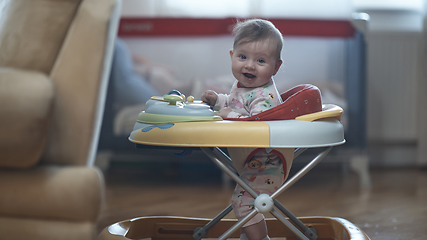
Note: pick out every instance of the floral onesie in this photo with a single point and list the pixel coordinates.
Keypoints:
(264, 170)
(246, 102)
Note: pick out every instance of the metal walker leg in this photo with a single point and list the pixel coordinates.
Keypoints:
(224, 163)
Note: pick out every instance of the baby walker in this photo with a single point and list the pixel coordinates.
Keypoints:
(301, 117)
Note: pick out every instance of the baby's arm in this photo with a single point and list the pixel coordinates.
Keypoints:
(209, 97)
(224, 112)
(217, 101)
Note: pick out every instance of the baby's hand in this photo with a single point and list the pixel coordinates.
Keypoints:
(209, 97)
(223, 112)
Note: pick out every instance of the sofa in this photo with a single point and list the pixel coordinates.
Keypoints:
(55, 59)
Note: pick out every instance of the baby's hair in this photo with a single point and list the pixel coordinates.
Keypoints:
(254, 30)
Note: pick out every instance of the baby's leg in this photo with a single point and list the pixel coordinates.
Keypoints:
(257, 231)
(263, 172)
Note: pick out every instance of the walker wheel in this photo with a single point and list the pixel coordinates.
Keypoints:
(311, 233)
(199, 233)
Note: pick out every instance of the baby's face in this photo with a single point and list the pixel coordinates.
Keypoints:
(254, 63)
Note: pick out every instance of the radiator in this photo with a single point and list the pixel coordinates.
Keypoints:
(393, 70)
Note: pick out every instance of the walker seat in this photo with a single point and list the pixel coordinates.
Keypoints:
(300, 100)
(300, 122)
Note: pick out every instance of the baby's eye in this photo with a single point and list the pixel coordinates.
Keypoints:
(261, 61)
(242, 56)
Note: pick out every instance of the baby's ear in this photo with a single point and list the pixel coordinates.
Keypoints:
(231, 53)
(278, 64)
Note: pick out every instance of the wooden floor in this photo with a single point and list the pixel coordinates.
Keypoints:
(395, 208)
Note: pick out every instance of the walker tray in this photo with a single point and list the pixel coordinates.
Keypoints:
(179, 123)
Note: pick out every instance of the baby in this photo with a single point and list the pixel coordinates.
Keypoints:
(255, 59)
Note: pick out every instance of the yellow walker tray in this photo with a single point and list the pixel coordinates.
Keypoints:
(173, 122)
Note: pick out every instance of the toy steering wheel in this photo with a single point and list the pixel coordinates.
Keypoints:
(172, 99)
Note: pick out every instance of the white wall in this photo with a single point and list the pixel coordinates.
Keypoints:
(422, 100)
(239, 8)
(394, 55)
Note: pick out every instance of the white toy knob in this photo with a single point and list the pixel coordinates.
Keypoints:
(263, 203)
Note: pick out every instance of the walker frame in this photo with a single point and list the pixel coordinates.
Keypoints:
(322, 129)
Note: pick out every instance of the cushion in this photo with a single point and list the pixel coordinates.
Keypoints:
(26, 101)
(32, 32)
(66, 193)
(79, 88)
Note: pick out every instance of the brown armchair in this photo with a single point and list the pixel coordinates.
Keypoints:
(55, 59)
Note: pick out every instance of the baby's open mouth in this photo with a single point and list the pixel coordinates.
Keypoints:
(248, 75)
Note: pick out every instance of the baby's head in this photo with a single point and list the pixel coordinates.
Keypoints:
(255, 30)
(255, 56)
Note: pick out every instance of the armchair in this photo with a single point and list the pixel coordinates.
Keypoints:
(55, 59)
